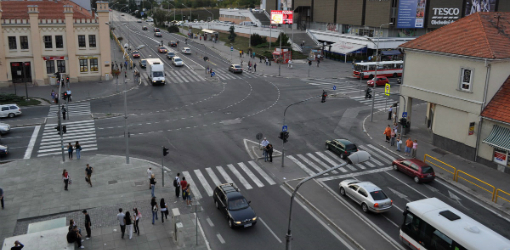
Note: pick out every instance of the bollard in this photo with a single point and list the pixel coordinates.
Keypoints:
(178, 227)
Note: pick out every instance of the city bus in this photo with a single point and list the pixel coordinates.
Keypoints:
(433, 224)
(386, 68)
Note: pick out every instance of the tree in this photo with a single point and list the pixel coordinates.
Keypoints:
(256, 39)
(285, 40)
(232, 35)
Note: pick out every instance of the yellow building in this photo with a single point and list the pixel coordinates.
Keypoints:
(40, 38)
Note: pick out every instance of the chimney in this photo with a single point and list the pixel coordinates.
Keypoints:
(33, 9)
(68, 9)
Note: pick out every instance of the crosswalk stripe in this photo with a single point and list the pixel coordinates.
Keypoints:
(66, 123)
(213, 176)
(194, 188)
(349, 166)
(59, 149)
(324, 164)
(175, 77)
(301, 165)
(239, 176)
(369, 164)
(204, 182)
(59, 152)
(70, 131)
(391, 159)
(83, 141)
(250, 174)
(310, 163)
(373, 155)
(182, 76)
(262, 173)
(225, 175)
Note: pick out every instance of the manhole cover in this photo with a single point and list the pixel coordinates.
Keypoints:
(439, 151)
(111, 182)
(139, 183)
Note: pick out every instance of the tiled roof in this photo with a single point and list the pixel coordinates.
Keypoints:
(47, 9)
(499, 107)
(478, 35)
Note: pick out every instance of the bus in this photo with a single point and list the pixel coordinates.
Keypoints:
(386, 68)
(433, 224)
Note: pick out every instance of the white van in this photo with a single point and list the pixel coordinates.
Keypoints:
(248, 23)
(9, 110)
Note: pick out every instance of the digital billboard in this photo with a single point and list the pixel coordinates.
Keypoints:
(282, 16)
(411, 14)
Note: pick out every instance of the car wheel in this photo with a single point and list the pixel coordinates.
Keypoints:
(342, 191)
(416, 179)
(364, 207)
(11, 115)
(395, 167)
(216, 204)
(230, 223)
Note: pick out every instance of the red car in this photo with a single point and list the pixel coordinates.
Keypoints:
(162, 50)
(381, 81)
(136, 54)
(419, 170)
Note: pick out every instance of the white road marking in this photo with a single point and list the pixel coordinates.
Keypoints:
(194, 188)
(324, 165)
(301, 165)
(345, 176)
(203, 235)
(31, 144)
(310, 163)
(278, 239)
(352, 168)
(213, 176)
(220, 238)
(211, 224)
(250, 174)
(239, 176)
(407, 185)
(262, 173)
(381, 152)
(204, 182)
(373, 154)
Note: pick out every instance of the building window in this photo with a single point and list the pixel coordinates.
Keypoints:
(23, 42)
(94, 65)
(12, 42)
(47, 42)
(92, 41)
(61, 66)
(83, 65)
(466, 78)
(50, 67)
(59, 42)
(81, 41)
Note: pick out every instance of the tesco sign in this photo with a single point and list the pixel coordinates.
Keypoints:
(446, 11)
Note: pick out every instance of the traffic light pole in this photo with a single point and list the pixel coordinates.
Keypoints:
(126, 132)
(162, 170)
(61, 130)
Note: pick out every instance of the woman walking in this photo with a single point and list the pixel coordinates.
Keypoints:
(153, 184)
(66, 178)
(70, 150)
(415, 147)
(154, 207)
(137, 215)
(164, 210)
(392, 140)
(399, 143)
(188, 195)
(77, 146)
(128, 221)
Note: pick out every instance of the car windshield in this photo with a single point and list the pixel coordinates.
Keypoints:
(378, 195)
(351, 147)
(237, 67)
(171, 53)
(178, 60)
(144, 62)
(162, 48)
(157, 74)
(237, 204)
(427, 170)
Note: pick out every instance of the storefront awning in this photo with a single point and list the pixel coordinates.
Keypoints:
(499, 138)
(344, 47)
(391, 52)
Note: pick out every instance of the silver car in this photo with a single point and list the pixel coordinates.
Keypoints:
(369, 196)
(4, 128)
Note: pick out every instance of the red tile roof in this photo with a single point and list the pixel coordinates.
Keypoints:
(478, 35)
(499, 107)
(47, 9)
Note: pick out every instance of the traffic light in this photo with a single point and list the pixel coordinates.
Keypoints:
(64, 129)
(324, 95)
(285, 136)
(67, 79)
(64, 95)
(403, 122)
(165, 151)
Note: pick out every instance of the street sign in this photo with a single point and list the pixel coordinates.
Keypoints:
(334, 87)
(141, 13)
(387, 89)
(404, 114)
(284, 128)
(231, 48)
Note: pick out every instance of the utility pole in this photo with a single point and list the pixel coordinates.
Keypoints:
(281, 55)
(376, 66)
(126, 132)
(61, 130)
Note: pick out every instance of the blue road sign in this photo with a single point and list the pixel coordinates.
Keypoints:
(141, 13)
(231, 48)
(284, 128)
(334, 87)
(404, 114)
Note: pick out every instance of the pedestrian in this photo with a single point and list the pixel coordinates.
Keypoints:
(318, 62)
(153, 184)
(309, 62)
(88, 173)
(17, 246)
(240, 53)
(267, 61)
(120, 218)
(128, 220)
(415, 147)
(137, 216)
(392, 139)
(74, 236)
(188, 195)
(70, 150)
(164, 210)
(260, 59)
(255, 67)
(409, 145)
(184, 184)
(53, 95)
(66, 177)
(77, 146)
(2, 197)
(63, 112)
(88, 224)
(289, 64)
(72, 224)
(177, 185)
(387, 133)
(263, 146)
(253, 54)
(395, 127)
(399, 143)
(149, 174)
(154, 206)
(63, 83)
(69, 95)
(249, 65)
(120, 66)
(390, 112)
(125, 64)
(269, 150)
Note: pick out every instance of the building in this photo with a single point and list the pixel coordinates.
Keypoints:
(43, 37)
(458, 70)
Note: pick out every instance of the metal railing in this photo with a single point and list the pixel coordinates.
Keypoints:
(497, 195)
(430, 158)
(477, 183)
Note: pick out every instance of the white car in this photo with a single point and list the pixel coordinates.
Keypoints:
(4, 128)
(9, 110)
(177, 61)
(186, 50)
(150, 20)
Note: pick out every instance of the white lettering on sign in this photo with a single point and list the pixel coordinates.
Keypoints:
(446, 11)
(444, 16)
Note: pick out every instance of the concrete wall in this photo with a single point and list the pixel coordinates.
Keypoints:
(239, 29)
(323, 11)
(349, 12)
(498, 75)
(454, 125)
(377, 13)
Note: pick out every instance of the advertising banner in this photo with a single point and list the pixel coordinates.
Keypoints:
(500, 157)
(411, 13)
(441, 13)
(282, 16)
(474, 6)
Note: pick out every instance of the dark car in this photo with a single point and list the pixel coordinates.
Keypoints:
(419, 170)
(236, 68)
(228, 198)
(170, 54)
(156, 30)
(143, 63)
(341, 147)
(381, 81)
(157, 34)
(145, 28)
(4, 150)
(172, 43)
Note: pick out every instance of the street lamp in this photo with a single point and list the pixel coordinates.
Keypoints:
(354, 158)
(174, 9)
(212, 17)
(189, 11)
(249, 40)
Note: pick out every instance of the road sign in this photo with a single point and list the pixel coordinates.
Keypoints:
(404, 114)
(231, 48)
(141, 13)
(387, 89)
(284, 128)
(334, 87)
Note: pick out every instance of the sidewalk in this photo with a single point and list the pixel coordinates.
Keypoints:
(420, 132)
(34, 191)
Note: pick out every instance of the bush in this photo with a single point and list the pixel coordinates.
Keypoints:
(256, 39)
(173, 29)
(262, 45)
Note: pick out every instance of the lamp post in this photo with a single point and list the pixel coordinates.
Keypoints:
(212, 17)
(126, 131)
(189, 11)
(376, 66)
(174, 9)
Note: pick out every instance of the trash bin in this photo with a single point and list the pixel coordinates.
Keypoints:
(107, 77)
(53, 80)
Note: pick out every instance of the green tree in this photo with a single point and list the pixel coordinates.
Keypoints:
(232, 35)
(256, 39)
(285, 40)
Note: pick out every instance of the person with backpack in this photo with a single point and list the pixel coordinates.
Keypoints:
(154, 208)
(88, 173)
(77, 147)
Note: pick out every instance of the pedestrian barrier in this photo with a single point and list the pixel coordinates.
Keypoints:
(471, 181)
(430, 158)
(497, 195)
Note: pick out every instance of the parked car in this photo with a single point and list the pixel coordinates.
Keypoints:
(145, 28)
(136, 54)
(162, 50)
(228, 198)
(156, 30)
(418, 170)
(143, 63)
(172, 44)
(369, 196)
(4, 150)
(381, 81)
(149, 20)
(186, 50)
(139, 21)
(4, 128)
(341, 147)
(170, 54)
(236, 68)
(177, 61)
(9, 110)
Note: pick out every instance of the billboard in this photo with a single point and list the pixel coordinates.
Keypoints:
(474, 6)
(282, 16)
(411, 13)
(443, 12)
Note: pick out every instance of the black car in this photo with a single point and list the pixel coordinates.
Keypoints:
(143, 63)
(144, 28)
(4, 150)
(341, 147)
(228, 198)
(172, 43)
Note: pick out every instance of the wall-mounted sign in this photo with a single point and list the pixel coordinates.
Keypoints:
(471, 128)
(443, 12)
(500, 157)
(51, 58)
(282, 16)
(411, 13)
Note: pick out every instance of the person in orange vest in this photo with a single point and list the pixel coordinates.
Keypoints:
(409, 145)
(387, 132)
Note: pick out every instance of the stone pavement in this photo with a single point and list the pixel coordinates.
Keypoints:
(420, 132)
(34, 191)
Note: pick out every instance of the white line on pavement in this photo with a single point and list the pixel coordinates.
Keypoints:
(222, 241)
(262, 173)
(250, 174)
(31, 144)
(239, 176)
(204, 182)
(278, 239)
(211, 224)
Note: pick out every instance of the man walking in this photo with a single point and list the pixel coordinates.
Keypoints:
(177, 185)
(120, 218)
(263, 146)
(184, 184)
(17, 246)
(409, 145)
(2, 197)
(63, 112)
(390, 112)
(255, 67)
(88, 224)
(88, 172)
(149, 174)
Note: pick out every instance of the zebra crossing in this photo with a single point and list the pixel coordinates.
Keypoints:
(73, 109)
(82, 131)
(187, 75)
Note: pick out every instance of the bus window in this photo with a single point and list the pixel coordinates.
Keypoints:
(440, 241)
